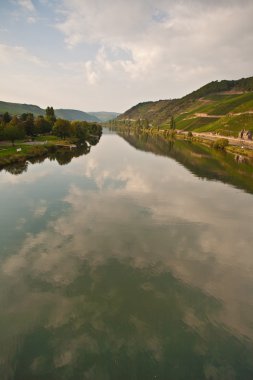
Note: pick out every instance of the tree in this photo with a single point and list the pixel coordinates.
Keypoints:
(79, 129)
(50, 115)
(62, 128)
(14, 132)
(1, 131)
(172, 123)
(220, 144)
(42, 125)
(28, 123)
(6, 117)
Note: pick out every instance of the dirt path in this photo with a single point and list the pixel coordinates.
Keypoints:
(206, 115)
(232, 140)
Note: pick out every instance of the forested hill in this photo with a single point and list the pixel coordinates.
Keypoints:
(244, 85)
(68, 114)
(216, 106)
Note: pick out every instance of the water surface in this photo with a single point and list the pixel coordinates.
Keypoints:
(125, 264)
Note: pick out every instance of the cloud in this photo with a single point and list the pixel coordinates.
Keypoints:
(40, 208)
(8, 54)
(172, 43)
(115, 54)
(91, 74)
(27, 5)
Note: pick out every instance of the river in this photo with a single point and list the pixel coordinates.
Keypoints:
(133, 261)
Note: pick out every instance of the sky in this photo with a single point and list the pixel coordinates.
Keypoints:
(108, 55)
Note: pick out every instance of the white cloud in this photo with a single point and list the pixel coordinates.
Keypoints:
(31, 20)
(91, 74)
(27, 5)
(176, 43)
(8, 54)
(119, 53)
(40, 208)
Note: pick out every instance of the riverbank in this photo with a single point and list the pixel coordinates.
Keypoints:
(235, 145)
(24, 151)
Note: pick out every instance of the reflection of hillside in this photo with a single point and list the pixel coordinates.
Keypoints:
(199, 159)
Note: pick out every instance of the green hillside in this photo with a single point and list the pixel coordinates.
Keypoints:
(18, 109)
(69, 114)
(223, 107)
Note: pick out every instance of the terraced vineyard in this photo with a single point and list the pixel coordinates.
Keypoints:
(224, 108)
(223, 114)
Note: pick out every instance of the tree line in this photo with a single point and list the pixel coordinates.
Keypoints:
(27, 125)
(142, 123)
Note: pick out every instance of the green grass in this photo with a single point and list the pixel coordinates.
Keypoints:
(6, 151)
(229, 105)
(9, 154)
(47, 138)
(193, 124)
(248, 106)
(221, 105)
(221, 97)
(229, 125)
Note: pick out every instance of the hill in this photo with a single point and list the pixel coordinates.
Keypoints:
(220, 106)
(105, 116)
(18, 109)
(69, 114)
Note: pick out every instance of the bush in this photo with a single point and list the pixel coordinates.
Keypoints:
(189, 134)
(220, 144)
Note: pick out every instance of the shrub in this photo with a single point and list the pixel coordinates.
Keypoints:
(220, 144)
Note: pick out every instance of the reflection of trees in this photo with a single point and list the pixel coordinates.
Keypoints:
(17, 168)
(62, 155)
(93, 139)
(145, 141)
(197, 158)
(37, 160)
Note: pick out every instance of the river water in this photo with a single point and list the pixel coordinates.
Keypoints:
(134, 261)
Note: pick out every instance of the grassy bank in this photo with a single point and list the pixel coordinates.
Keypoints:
(22, 152)
(170, 134)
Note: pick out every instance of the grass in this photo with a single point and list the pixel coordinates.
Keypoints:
(229, 125)
(226, 105)
(9, 154)
(7, 150)
(193, 124)
(229, 105)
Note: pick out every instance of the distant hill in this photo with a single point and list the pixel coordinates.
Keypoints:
(18, 109)
(105, 116)
(69, 114)
(221, 106)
